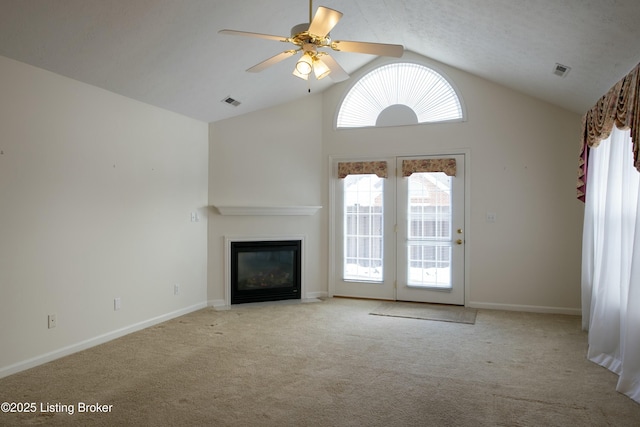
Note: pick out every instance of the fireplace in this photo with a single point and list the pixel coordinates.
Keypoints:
(265, 270)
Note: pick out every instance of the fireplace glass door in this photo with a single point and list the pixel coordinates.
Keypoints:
(265, 271)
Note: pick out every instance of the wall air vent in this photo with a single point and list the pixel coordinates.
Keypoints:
(229, 100)
(561, 70)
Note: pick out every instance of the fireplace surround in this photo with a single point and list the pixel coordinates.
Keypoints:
(264, 269)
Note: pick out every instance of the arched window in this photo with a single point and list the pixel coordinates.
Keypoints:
(397, 94)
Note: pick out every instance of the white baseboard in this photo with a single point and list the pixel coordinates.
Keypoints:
(311, 295)
(219, 305)
(216, 303)
(528, 308)
(92, 342)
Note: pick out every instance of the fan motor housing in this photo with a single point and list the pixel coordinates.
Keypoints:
(298, 29)
(300, 36)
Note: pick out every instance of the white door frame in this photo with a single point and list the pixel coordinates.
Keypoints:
(333, 181)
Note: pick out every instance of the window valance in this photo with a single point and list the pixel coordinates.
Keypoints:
(619, 107)
(378, 168)
(448, 166)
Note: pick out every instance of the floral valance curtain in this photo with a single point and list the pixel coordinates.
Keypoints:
(378, 168)
(448, 166)
(620, 107)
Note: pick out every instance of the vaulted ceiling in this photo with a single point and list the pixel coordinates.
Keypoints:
(169, 53)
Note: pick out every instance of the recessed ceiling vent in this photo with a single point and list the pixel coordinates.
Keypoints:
(561, 70)
(229, 100)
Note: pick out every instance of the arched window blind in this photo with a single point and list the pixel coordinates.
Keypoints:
(427, 93)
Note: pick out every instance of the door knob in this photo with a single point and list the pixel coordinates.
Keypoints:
(459, 241)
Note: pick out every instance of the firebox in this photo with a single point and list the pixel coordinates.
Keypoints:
(265, 270)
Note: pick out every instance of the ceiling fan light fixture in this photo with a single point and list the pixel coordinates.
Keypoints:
(302, 76)
(314, 35)
(304, 65)
(320, 69)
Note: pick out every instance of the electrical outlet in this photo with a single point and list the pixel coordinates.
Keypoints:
(176, 289)
(53, 321)
(491, 217)
(117, 304)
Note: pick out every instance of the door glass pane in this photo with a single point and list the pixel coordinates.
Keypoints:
(363, 226)
(429, 230)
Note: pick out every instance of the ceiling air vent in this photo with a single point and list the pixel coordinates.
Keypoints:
(229, 100)
(561, 70)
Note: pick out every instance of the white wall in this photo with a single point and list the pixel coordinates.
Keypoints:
(522, 166)
(96, 192)
(268, 158)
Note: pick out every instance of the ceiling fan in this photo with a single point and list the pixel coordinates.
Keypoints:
(311, 39)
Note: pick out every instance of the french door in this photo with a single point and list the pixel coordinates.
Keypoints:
(399, 229)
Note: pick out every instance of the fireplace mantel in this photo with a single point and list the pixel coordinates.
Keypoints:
(268, 210)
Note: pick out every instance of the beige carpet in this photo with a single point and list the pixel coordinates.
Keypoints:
(415, 310)
(330, 363)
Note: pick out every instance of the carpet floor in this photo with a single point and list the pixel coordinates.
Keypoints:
(329, 363)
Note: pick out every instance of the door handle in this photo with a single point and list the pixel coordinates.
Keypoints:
(459, 241)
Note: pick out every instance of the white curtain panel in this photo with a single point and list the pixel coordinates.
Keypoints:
(611, 261)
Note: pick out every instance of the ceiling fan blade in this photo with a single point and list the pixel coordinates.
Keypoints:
(271, 61)
(337, 73)
(258, 35)
(324, 21)
(381, 49)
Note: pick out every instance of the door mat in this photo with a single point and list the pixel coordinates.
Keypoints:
(417, 310)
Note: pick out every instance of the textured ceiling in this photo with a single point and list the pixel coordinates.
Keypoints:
(168, 52)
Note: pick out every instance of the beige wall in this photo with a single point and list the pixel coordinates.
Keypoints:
(522, 166)
(268, 158)
(96, 195)
(97, 191)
